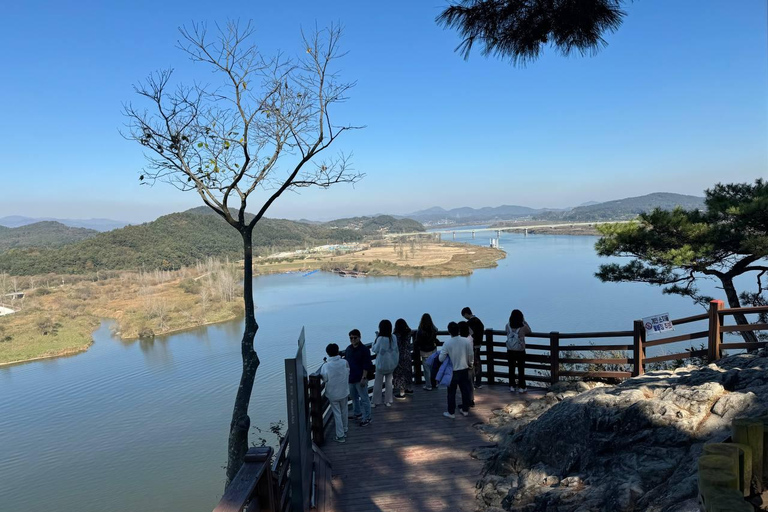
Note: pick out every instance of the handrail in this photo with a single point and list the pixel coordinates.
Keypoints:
(545, 357)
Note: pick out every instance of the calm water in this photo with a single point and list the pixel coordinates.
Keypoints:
(143, 425)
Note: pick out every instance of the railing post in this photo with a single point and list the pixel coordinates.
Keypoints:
(491, 373)
(715, 336)
(264, 488)
(417, 372)
(554, 357)
(316, 410)
(638, 349)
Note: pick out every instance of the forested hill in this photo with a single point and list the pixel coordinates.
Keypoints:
(170, 242)
(42, 234)
(381, 224)
(626, 209)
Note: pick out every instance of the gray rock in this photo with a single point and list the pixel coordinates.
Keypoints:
(631, 447)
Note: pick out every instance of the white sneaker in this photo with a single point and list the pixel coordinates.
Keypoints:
(512, 389)
(373, 406)
(389, 404)
(464, 413)
(449, 415)
(523, 391)
(427, 388)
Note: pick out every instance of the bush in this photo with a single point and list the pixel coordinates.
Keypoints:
(189, 285)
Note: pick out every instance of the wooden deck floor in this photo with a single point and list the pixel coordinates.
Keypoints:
(411, 458)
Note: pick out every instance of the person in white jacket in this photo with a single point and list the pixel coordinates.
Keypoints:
(335, 373)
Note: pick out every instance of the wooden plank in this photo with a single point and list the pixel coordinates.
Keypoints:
(742, 328)
(668, 357)
(674, 339)
(593, 348)
(606, 334)
(239, 491)
(715, 337)
(747, 310)
(532, 346)
(689, 319)
(759, 344)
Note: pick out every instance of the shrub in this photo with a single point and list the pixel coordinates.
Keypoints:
(190, 286)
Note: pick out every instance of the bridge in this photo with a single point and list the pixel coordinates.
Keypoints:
(521, 227)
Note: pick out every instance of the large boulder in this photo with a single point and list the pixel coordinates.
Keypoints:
(629, 447)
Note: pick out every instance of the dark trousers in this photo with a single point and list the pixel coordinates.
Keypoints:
(461, 380)
(517, 360)
(478, 369)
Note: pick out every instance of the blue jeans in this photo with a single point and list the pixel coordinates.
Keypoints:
(361, 403)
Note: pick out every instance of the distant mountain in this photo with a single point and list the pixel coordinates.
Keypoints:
(378, 225)
(466, 215)
(15, 221)
(589, 203)
(179, 239)
(625, 209)
(42, 234)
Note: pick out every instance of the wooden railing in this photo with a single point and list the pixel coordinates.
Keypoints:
(263, 483)
(561, 357)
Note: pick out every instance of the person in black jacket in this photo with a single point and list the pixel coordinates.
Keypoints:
(358, 357)
(477, 330)
(426, 343)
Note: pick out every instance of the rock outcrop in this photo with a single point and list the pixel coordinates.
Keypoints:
(633, 447)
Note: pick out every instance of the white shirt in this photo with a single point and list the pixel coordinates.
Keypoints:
(335, 373)
(459, 350)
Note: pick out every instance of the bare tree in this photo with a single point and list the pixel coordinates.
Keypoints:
(243, 140)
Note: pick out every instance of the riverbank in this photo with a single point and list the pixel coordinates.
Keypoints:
(58, 320)
(414, 258)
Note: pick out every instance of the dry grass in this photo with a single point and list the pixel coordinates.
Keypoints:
(60, 319)
(428, 259)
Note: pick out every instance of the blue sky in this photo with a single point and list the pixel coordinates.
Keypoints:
(677, 102)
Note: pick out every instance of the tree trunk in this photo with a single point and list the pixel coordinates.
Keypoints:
(241, 422)
(739, 318)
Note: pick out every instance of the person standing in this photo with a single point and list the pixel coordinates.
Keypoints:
(459, 350)
(387, 357)
(477, 330)
(358, 356)
(426, 343)
(403, 374)
(516, 329)
(335, 373)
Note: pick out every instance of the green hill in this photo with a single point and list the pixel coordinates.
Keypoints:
(180, 239)
(378, 225)
(42, 234)
(626, 209)
(169, 242)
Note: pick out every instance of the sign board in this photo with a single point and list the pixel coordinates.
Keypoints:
(657, 324)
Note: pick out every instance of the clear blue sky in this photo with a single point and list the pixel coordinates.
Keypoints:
(677, 102)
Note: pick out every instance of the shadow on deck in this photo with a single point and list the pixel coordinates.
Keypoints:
(411, 458)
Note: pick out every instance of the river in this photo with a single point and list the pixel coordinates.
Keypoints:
(142, 425)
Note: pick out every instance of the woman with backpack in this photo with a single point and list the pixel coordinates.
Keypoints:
(426, 343)
(517, 328)
(403, 375)
(387, 357)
